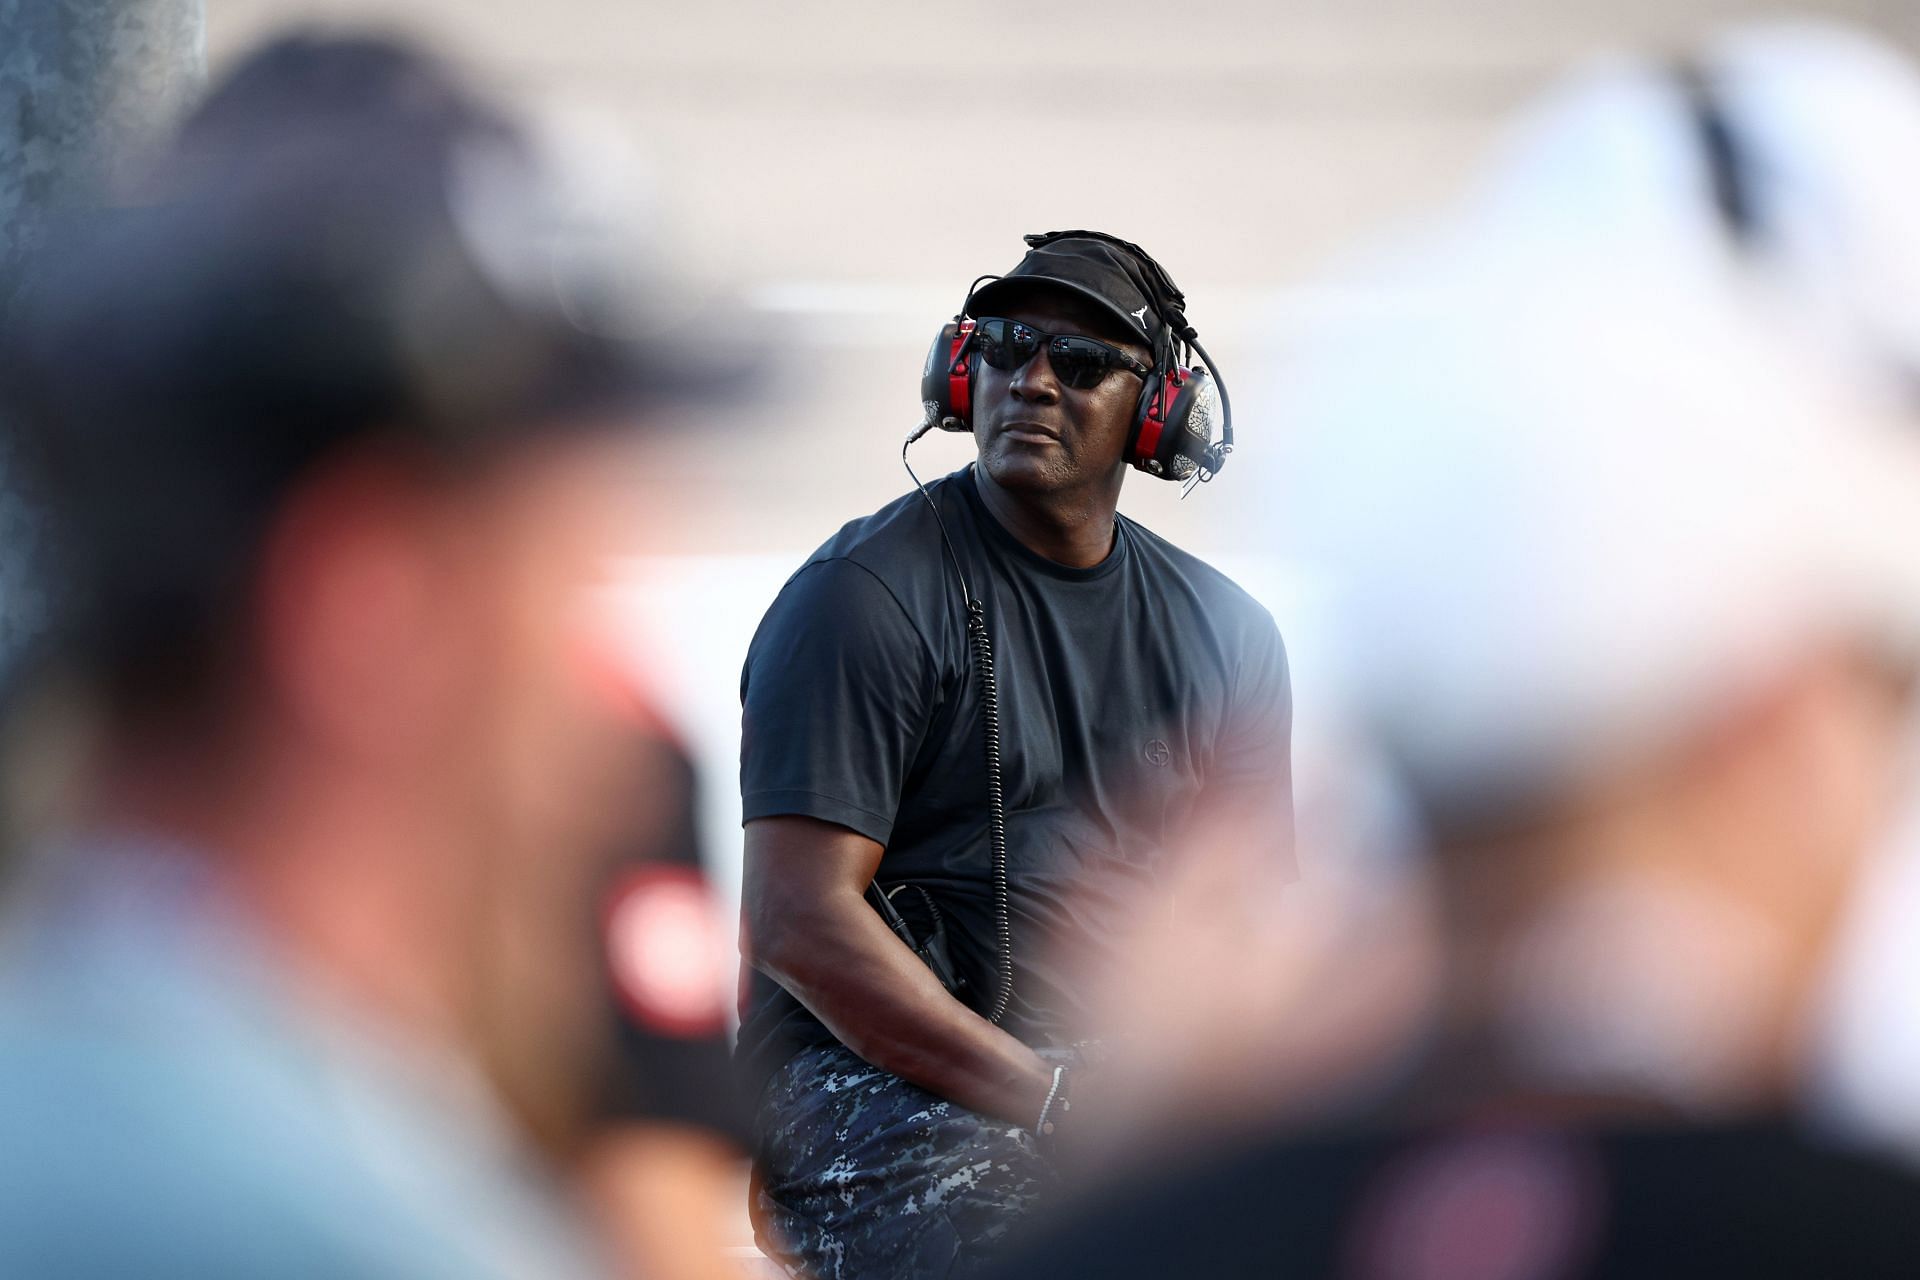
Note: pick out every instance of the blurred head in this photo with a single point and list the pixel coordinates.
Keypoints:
(324, 263)
(337, 432)
(1620, 566)
(1035, 433)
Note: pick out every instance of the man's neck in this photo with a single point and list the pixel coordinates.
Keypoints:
(326, 881)
(1072, 527)
(1612, 978)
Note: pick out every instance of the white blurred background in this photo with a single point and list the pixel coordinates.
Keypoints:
(852, 165)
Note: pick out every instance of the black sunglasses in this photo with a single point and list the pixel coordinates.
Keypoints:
(1078, 362)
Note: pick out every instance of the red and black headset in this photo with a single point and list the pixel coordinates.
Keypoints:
(1183, 425)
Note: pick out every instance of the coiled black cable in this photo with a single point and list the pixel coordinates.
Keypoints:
(996, 803)
(980, 643)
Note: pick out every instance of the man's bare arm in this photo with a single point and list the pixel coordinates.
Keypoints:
(810, 928)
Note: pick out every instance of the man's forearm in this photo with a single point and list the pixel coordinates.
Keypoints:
(881, 1001)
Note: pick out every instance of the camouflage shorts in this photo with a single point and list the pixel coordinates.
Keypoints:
(862, 1175)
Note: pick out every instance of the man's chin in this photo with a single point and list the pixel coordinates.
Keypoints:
(1026, 472)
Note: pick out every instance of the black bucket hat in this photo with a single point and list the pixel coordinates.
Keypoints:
(1106, 271)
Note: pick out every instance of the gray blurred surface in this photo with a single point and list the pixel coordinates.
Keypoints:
(855, 164)
(82, 84)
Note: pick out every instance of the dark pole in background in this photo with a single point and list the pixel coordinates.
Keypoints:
(83, 85)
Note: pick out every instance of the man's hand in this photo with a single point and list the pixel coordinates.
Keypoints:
(810, 928)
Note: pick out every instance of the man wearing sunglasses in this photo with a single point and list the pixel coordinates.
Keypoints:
(905, 1116)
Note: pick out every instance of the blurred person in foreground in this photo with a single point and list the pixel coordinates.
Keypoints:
(1619, 548)
(1803, 118)
(907, 1118)
(334, 425)
(665, 1153)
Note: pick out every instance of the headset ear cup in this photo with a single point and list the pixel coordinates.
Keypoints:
(1198, 438)
(1174, 431)
(1151, 427)
(946, 382)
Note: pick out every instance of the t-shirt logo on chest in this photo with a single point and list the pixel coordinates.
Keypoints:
(1157, 753)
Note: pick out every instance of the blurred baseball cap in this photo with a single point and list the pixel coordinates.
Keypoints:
(1582, 472)
(344, 232)
(1757, 160)
(342, 244)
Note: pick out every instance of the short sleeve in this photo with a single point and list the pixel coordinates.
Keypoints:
(1252, 769)
(836, 697)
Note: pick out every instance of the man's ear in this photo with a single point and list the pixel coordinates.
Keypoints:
(354, 643)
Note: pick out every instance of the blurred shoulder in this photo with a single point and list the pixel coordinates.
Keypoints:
(1754, 1200)
(190, 1114)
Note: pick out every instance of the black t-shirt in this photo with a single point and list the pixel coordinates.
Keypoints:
(1132, 694)
(1751, 1201)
